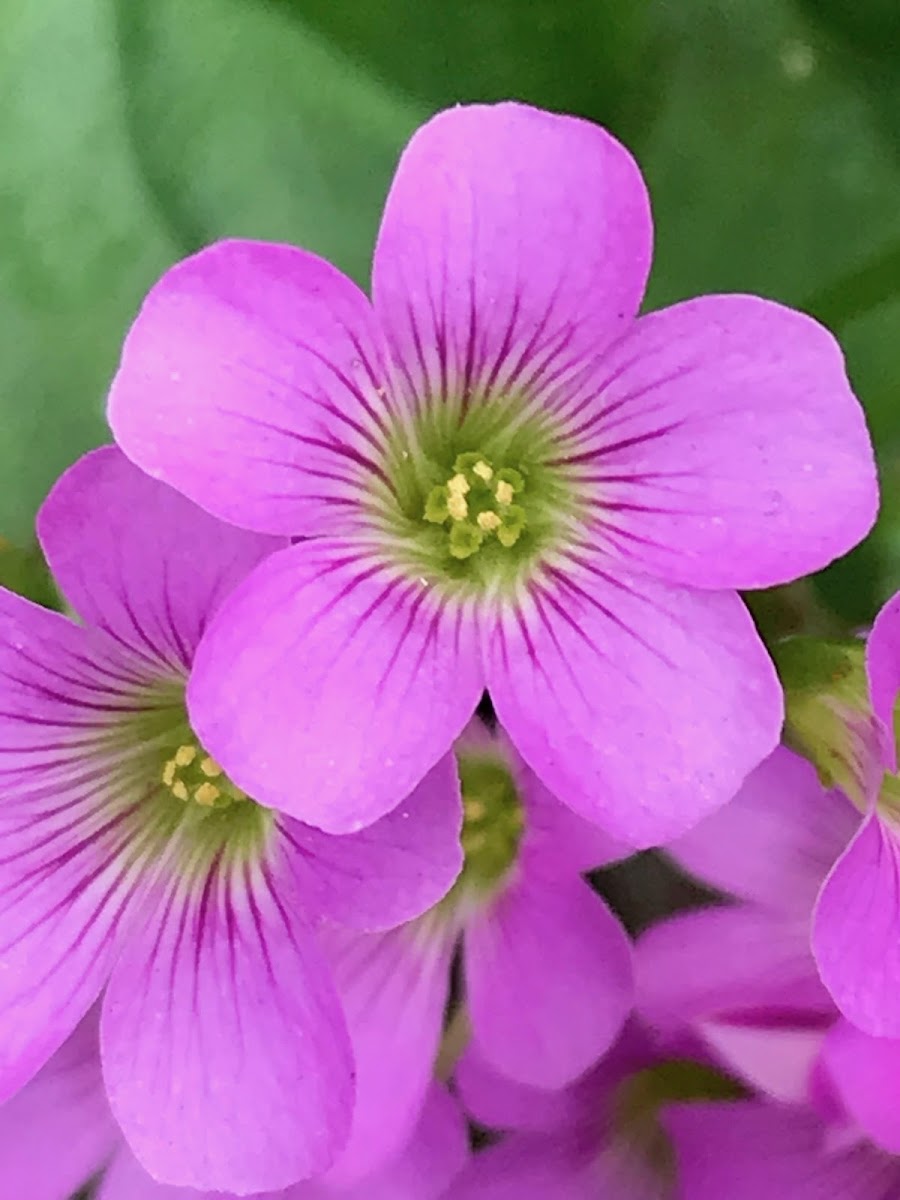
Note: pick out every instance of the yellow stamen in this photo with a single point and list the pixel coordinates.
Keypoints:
(483, 471)
(179, 791)
(207, 794)
(185, 755)
(504, 492)
(168, 775)
(458, 485)
(457, 506)
(210, 768)
(488, 521)
(475, 809)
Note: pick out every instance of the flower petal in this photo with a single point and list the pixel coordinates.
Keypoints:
(514, 247)
(66, 868)
(252, 381)
(883, 669)
(225, 1056)
(727, 449)
(393, 870)
(746, 1150)
(57, 1131)
(855, 930)
(739, 962)
(775, 842)
(423, 1170)
(554, 943)
(532, 1168)
(126, 1179)
(865, 1071)
(360, 680)
(394, 989)
(641, 706)
(135, 558)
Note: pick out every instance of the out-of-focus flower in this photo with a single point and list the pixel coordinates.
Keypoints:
(502, 478)
(545, 966)
(738, 982)
(856, 934)
(600, 1137)
(58, 1132)
(132, 866)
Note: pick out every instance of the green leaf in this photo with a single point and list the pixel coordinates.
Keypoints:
(593, 57)
(82, 241)
(828, 718)
(248, 124)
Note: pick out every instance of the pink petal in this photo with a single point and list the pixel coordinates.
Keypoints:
(729, 450)
(775, 842)
(778, 1061)
(866, 1071)
(883, 669)
(225, 1056)
(126, 1179)
(360, 680)
(135, 558)
(557, 944)
(515, 245)
(390, 871)
(855, 930)
(66, 874)
(394, 988)
(532, 1168)
(423, 1170)
(641, 706)
(725, 962)
(57, 1131)
(555, 839)
(498, 1102)
(252, 381)
(749, 1150)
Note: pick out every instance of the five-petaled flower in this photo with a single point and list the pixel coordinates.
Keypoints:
(500, 477)
(132, 866)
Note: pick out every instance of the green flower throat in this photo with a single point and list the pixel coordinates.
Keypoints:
(477, 503)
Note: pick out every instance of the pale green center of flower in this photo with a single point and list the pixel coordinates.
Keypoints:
(493, 821)
(192, 775)
(476, 504)
(190, 814)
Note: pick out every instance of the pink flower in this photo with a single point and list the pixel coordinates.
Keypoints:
(544, 966)
(133, 869)
(737, 983)
(856, 935)
(502, 478)
(58, 1132)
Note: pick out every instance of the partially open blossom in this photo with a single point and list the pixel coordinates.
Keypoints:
(501, 477)
(856, 936)
(58, 1133)
(133, 867)
(545, 966)
(739, 981)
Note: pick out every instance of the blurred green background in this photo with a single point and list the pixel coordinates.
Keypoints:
(134, 131)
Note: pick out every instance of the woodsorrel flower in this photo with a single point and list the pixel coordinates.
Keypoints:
(545, 967)
(738, 981)
(600, 1137)
(57, 1133)
(132, 866)
(503, 478)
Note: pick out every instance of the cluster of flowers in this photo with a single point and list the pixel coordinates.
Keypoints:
(261, 828)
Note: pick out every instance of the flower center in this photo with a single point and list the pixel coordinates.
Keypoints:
(477, 503)
(493, 822)
(191, 775)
